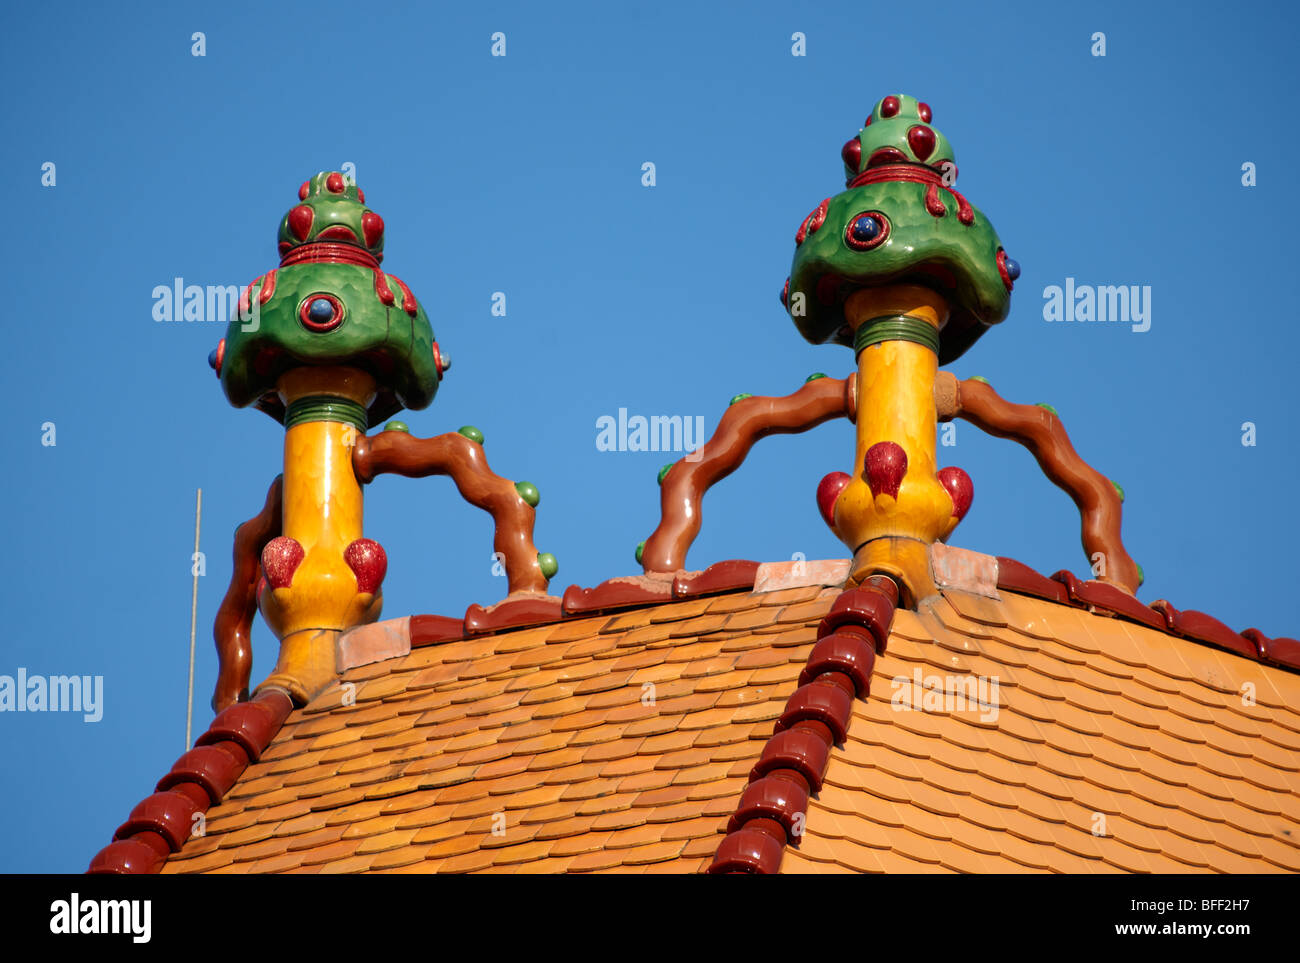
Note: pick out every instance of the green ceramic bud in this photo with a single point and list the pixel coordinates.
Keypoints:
(528, 492)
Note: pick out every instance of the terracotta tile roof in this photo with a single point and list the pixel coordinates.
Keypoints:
(1099, 718)
(561, 747)
(637, 731)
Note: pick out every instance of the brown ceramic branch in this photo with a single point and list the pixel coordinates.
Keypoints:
(457, 456)
(233, 629)
(1041, 431)
(743, 424)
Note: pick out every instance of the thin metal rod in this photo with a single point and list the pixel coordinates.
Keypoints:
(194, 615)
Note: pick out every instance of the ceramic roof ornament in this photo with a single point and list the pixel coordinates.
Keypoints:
(333, 346)
(904, 269)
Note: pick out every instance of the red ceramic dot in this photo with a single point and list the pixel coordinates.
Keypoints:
(889, 106)
(300, 219)
(334, 183)
(921, 140)
(302, 191)
(361, 195)
(785, 294)
(960, 489)
(828, 492)
(437, 360)
(923, 111)
(369, 563)
(221, 355)
(867, 122)
(280, 559)
(852, 154)
(886, 464)
(372, 226)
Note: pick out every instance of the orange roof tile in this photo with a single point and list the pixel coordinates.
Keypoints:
(625, 742)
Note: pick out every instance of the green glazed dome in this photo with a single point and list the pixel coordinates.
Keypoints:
(330, 304)
(899, 222)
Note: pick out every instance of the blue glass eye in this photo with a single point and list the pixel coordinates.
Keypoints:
(865, 229)
(320, 311)
(1013, 269)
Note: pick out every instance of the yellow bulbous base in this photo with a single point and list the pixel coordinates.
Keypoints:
(895, 403)
(323, 509)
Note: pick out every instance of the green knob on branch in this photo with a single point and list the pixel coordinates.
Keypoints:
(528, 492)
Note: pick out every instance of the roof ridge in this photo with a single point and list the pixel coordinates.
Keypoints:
(1065, 588)
(160, 824)
(773, 807)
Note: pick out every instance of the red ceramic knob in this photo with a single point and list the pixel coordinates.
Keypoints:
(302, 191)
(921, 140)
(852, 154)
(368, 562)
(828, 492)
(889, 106)
(280, 559)
(923, 111)
(300, 219)
(960, 488)
(335, 183)
(886, 464)
(372, 226)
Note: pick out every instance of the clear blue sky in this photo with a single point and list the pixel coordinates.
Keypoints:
(522, 175)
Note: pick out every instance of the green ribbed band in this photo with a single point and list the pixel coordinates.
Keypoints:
(896, 327)
(326, 408)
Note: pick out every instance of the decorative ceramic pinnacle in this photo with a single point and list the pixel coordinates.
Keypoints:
(329, 344)
(902, 268)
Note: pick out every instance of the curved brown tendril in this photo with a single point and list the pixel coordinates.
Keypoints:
(741, 426)
(1041, 431)
(455, 455)
(233, 628)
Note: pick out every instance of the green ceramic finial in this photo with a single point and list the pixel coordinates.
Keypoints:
(328, 303)
(899, 222)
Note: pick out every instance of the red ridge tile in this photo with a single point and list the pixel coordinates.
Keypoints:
(432, 629)
(513, 613)
(725, 576)
(616, 593)
(1018, 577)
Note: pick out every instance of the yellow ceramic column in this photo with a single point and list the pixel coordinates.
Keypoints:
(890, 529)
(323, 514)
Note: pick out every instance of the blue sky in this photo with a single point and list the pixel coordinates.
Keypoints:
(522, 174)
